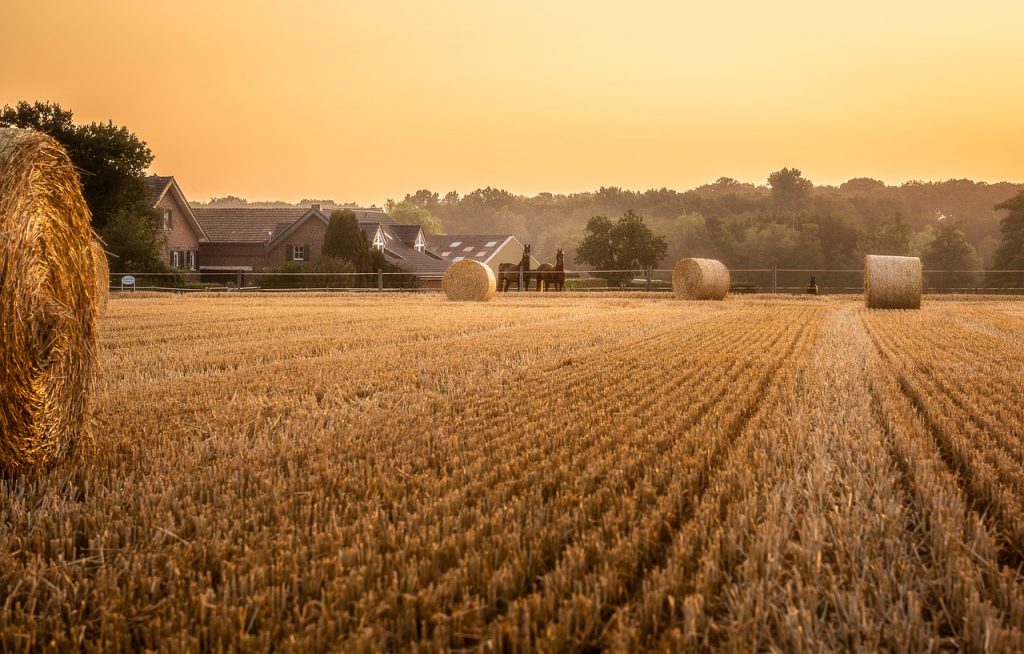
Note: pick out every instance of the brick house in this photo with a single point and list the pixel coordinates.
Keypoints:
(248, 240)
(182, 235)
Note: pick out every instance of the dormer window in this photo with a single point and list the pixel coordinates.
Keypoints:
(167, 219)
(298, 253)
(378, 241)
(420, 243)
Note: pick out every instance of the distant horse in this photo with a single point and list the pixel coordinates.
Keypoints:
(508, 273)
(812, 287)
(548, 275)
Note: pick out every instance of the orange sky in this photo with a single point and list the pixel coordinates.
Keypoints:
(362, 101)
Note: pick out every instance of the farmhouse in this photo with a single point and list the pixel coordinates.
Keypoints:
(183, 236)
(219, 243)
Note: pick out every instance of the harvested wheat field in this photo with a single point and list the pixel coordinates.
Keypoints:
(362, 473)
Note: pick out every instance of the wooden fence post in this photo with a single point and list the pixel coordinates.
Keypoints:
(522, 276)
(380, 280)
(649, 272)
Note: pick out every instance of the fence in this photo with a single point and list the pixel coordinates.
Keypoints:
(753, 280)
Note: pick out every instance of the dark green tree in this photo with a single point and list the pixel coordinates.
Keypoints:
(627, 244)
(1010, 254)
(112, 162)
(345, 241)
(951, 256)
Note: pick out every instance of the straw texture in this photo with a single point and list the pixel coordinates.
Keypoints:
(892, 282)
(48, 302)
(469, 280)
(99, 258)
(700, 279)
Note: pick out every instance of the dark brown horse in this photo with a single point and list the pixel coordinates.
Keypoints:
(552, 276)
(508, 273)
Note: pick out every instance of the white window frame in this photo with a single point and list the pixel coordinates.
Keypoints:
(298, 253)
(378, 241)
(191, 259)
(420, 243)
(176, 259)
(167, 220)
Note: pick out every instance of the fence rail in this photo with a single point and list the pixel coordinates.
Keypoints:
(744, 280)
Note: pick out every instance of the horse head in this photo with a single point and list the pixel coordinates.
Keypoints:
(560, 258)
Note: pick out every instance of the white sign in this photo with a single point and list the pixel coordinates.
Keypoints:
(127, 280)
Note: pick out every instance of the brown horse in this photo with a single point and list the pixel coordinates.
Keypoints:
(548, 275)
(508, 273)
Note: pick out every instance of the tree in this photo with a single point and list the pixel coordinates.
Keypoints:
(628, 244)
(1010, 254)
(424, 199)
(950, 252)
(345, 241)
(789, 187)
(409, 214)
(113, 163)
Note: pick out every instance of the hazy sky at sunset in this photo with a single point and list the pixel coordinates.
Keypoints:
(362, 101)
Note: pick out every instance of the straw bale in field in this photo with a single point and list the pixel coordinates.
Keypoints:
(892, 282)
(469, 280)
(48, 302)
(700, 279)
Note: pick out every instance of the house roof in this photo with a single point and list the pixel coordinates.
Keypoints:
(158, 185)
(246, 225)
(480, 247)
(403, 254)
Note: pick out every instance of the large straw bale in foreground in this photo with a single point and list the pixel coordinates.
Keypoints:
(48, 302)
(892, 282)
(700, 279)
(469, 280)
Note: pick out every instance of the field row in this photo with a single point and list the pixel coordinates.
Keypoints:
(405, 473)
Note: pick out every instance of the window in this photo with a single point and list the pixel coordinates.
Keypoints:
(468, 249)
(491, 244)
(420, 243)
(481, 254)
(298, 253)
(378, 241)
(167, 219)
(458, 258)
(446, 253)
(191, 259)
(455, 244)
(176, 259)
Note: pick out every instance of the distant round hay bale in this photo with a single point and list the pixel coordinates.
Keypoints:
(48, 301)
(700, 279)
(99, 258)
(892, 282)
(469, 280)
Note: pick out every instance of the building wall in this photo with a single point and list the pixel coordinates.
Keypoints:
(310, 235)
(233, 254)
(180, 237)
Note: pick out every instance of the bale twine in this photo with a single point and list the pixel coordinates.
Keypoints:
(469, 280)
(700, 279)
(99, 258)
(892, 282)
(48, 302)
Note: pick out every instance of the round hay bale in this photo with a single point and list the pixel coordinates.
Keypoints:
(99, 258)
(469, 280)
(700, 279)
(892, 282)
(48, 302)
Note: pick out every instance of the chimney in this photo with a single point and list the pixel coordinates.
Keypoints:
(315, 206)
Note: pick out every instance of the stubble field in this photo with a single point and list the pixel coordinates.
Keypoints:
(549, 473)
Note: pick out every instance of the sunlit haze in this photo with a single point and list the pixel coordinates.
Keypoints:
(361, 101)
